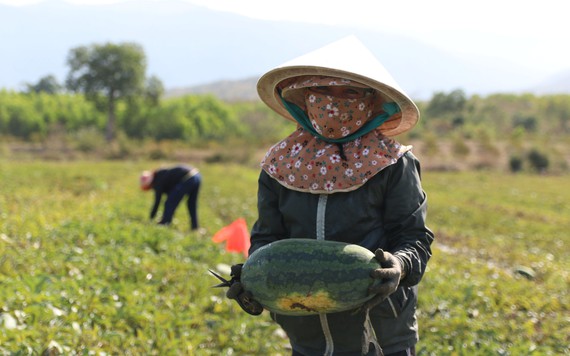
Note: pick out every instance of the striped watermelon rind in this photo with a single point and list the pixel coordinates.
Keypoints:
(308, 276)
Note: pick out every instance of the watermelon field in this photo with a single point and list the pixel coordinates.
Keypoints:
(84, 272)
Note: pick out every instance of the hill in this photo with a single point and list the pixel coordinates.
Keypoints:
(557, 84)
(245, 89)
(191, 46)
(226, 90)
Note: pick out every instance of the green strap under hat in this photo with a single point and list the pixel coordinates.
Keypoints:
(301, 117)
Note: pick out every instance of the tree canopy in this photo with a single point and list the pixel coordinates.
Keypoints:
(47, 84)
(106, 73)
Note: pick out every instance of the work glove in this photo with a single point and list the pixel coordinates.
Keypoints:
(389, 275)
(235, 285)
(243, 298)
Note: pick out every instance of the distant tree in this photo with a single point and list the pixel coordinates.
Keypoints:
(154, 90)
(107, 73)
(515, 164)
(458, 121)
(443, 104)
(557, 109)
(47, 84)
(538, 161)
(528, 123)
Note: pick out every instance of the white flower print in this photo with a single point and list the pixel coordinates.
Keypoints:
(283, 145)
(312, 98)
(316, 127)
(332, 110)
(296, 149)
(361, 106)
(317, 166)
(334, 158)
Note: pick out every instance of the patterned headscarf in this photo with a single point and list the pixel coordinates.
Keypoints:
(337, 146)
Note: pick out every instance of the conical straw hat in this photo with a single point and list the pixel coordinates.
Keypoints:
(348, 59)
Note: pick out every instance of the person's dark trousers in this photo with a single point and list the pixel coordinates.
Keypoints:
(192, 202)
(188, 187)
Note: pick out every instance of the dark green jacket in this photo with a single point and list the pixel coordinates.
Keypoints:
(387, 212)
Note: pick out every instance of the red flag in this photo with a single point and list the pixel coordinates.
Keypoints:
(236, 236)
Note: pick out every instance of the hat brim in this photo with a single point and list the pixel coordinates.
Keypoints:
(362, 67)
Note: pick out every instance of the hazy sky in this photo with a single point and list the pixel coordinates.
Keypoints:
(534, 33)
(531, 33)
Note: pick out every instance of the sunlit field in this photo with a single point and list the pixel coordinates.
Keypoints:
(84, 271)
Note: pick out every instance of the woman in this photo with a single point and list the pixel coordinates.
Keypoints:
(176, 182)
(341, 176)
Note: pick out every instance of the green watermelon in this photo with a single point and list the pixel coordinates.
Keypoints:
(308, 276)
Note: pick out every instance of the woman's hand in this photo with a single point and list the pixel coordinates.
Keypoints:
(390, 274)
(241, 296)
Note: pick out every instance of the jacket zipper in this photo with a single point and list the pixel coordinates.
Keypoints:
(320, 232)
(321, 209)
(393, 307)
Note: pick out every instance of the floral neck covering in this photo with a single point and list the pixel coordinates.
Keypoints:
(305, 163)
(337, 147)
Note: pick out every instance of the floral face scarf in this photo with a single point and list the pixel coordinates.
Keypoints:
(335, 118)
(336, 148)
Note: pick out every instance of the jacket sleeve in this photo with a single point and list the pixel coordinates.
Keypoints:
(157, 196)
(409, 238)
(269, 225)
